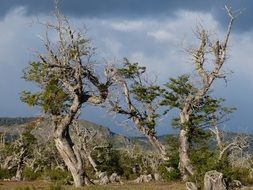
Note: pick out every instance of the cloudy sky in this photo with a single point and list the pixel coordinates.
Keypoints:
(151, 32)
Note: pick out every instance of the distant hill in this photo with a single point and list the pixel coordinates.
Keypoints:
(10, 121)
(14, 126)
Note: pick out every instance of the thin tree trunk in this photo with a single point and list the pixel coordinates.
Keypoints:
(152, 139)
(92, 162)
(215, 130)
(158, 146)
(218, 137)
(18, 176)
(19, 170)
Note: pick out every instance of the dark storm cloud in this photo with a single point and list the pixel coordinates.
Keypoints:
(134, 8)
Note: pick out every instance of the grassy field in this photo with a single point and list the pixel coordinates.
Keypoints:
(4, 185)
(43, 185)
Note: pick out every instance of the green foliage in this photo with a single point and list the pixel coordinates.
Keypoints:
(52, 99)
(172, 175)
(29, 174)
(131, 70)
(144, 95)
(29, 141)
(204, 159)
(237, 173)
(36, 72)
(172, 164)
(176, 91)
(57, 175)
(133, 167)
(6, 174)
(207, 111)
(107, 159)
(128, 163)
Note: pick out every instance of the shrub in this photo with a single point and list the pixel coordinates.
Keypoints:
(6, 174)
(29, 174)
(173, 173)
(205, 160)
(57, 175)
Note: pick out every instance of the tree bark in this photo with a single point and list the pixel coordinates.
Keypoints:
(92, 162)
(152, 139)
(185, 166)
(218, 137)
(214, 181)
(20, 163)
(72, 159)
(19, 172)
(158, 146)
(68, 152)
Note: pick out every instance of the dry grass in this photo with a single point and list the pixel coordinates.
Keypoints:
(43, 185)
(9, 185)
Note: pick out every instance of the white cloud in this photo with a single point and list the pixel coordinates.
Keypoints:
(128, 25)
(161, 35)
(154, 43)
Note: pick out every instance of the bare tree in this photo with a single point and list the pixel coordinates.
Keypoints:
(87, 142)
(238, 143)
(66, 78)
(16, 154)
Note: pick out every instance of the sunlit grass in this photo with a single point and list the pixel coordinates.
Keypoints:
(41, 185)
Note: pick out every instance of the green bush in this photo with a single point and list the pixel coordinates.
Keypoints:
(107, 159)
(29, 174)
(57, 175)
(174, 174)
(205, 160)
(241, 174)
(6, 174)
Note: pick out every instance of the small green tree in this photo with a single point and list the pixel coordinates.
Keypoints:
(204, 117)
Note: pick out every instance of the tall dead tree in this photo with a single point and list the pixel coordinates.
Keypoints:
(137, 99)
(66, 78)
(87, 142)
(192, 96)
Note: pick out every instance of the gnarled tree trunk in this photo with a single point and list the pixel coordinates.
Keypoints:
(71, 158)
(67, 150)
